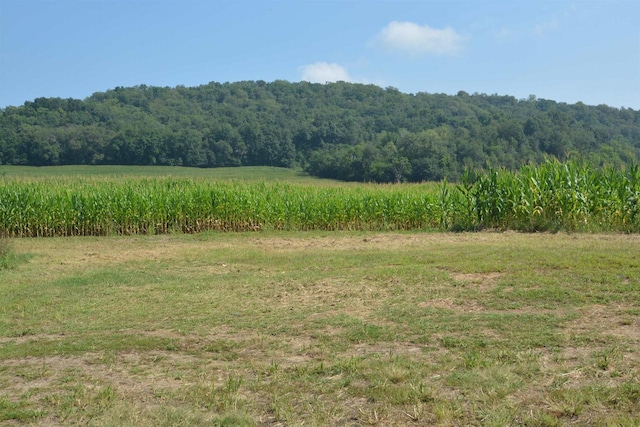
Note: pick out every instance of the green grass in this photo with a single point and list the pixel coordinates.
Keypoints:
(252, 173)
(8, 258)
(322, 328)
(5, 251)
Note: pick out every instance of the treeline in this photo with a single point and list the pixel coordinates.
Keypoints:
(339, 130)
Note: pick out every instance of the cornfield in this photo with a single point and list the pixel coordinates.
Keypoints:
(552, 196)
(571, 196)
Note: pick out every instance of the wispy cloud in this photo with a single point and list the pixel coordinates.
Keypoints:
(417, 39)
(545, 27)
(503, 34)
(323, 72)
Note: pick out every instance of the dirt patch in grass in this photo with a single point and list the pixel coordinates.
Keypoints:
(613, 319)
(387, 241)
(155, 333)
(332, 297)
(468, 306)
(387, 348)
(480, 281)
(90, 368)
(600, 350)
(30, 338)
(383, 240)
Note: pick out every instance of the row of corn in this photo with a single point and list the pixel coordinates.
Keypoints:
(551, 196)
(554, 196)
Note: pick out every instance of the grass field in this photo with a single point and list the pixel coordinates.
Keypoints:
(253, 173)
(322, 328)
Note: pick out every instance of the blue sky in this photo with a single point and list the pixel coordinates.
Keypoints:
(568, 51)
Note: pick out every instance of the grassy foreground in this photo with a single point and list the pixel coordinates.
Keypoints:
(322, 329)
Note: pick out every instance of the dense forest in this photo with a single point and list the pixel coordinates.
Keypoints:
(338, 130)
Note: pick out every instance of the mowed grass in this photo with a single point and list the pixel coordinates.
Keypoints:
(321, 328)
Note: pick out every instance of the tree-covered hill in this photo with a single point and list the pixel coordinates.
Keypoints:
(338, 130)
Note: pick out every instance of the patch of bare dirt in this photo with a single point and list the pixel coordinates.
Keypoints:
(330, 295)
(481, 281)
(155, 333)
(389, 348)
(31, 338)
(613, 319)
(386, 240)
(598, 362)
(92, 369)
(473, 306)
(468, 306)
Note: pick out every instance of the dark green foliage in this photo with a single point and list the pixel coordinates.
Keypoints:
(345, 131)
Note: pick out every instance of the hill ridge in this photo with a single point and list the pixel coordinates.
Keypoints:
(346, 131)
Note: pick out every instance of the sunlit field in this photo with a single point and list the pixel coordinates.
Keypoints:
(322, 328)
(168, 296)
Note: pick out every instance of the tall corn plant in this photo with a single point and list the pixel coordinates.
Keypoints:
(572, 195)
(551, 196)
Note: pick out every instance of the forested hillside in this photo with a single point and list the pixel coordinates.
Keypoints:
(339, 130)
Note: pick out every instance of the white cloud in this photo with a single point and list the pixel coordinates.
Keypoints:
(419, 39)
(323, 72)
